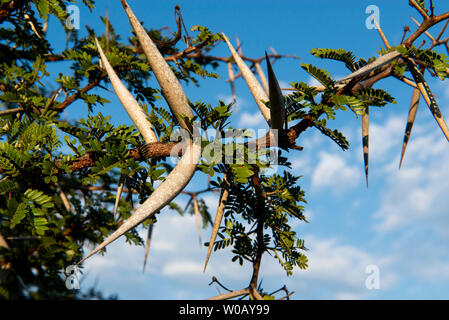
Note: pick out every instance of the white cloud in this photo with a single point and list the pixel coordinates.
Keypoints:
(332, 171)
(416, 194)
(384, 137)
(348, 296)
(251, 120)
(284, 84)
(182, 268)
(312, 82)
(338, 271)
(412, 197)
(301, 164)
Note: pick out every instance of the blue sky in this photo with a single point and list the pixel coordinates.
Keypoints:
(398, 224)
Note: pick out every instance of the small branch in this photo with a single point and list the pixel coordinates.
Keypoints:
(231, 295)
(406, 29)
(418, 8)
(427, 23)
(442, 30)
(287, 296)
(69, 100)
(426, 32)
(215, 280)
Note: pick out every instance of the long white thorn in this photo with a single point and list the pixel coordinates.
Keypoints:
(127, 100)
(379, 62)
(170, 86)
(131, 106)
(254, 86)
(178, 178)
(167, 190)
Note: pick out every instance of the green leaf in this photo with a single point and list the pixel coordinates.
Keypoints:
(321, 75)
(43, 7)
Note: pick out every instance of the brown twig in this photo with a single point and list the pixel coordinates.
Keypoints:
(231, 295)
(427, 23)
(418, 8)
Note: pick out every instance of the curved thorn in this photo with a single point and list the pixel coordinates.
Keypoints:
(277, 109)
(217, 222)
(130, 104)
(167, 190)
(250, 79)
(379, 62)
(410, 120)
(170, 87)
(178, 178)
(365, 141)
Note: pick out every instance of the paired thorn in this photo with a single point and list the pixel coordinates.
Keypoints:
(410, 120)
(178, 178)
(254, 86)
(428, 96)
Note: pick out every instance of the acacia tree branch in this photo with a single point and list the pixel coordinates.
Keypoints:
(427, 23)
(418, 8)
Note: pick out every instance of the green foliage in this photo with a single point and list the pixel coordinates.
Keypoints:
(347, 57)
(320, 74)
